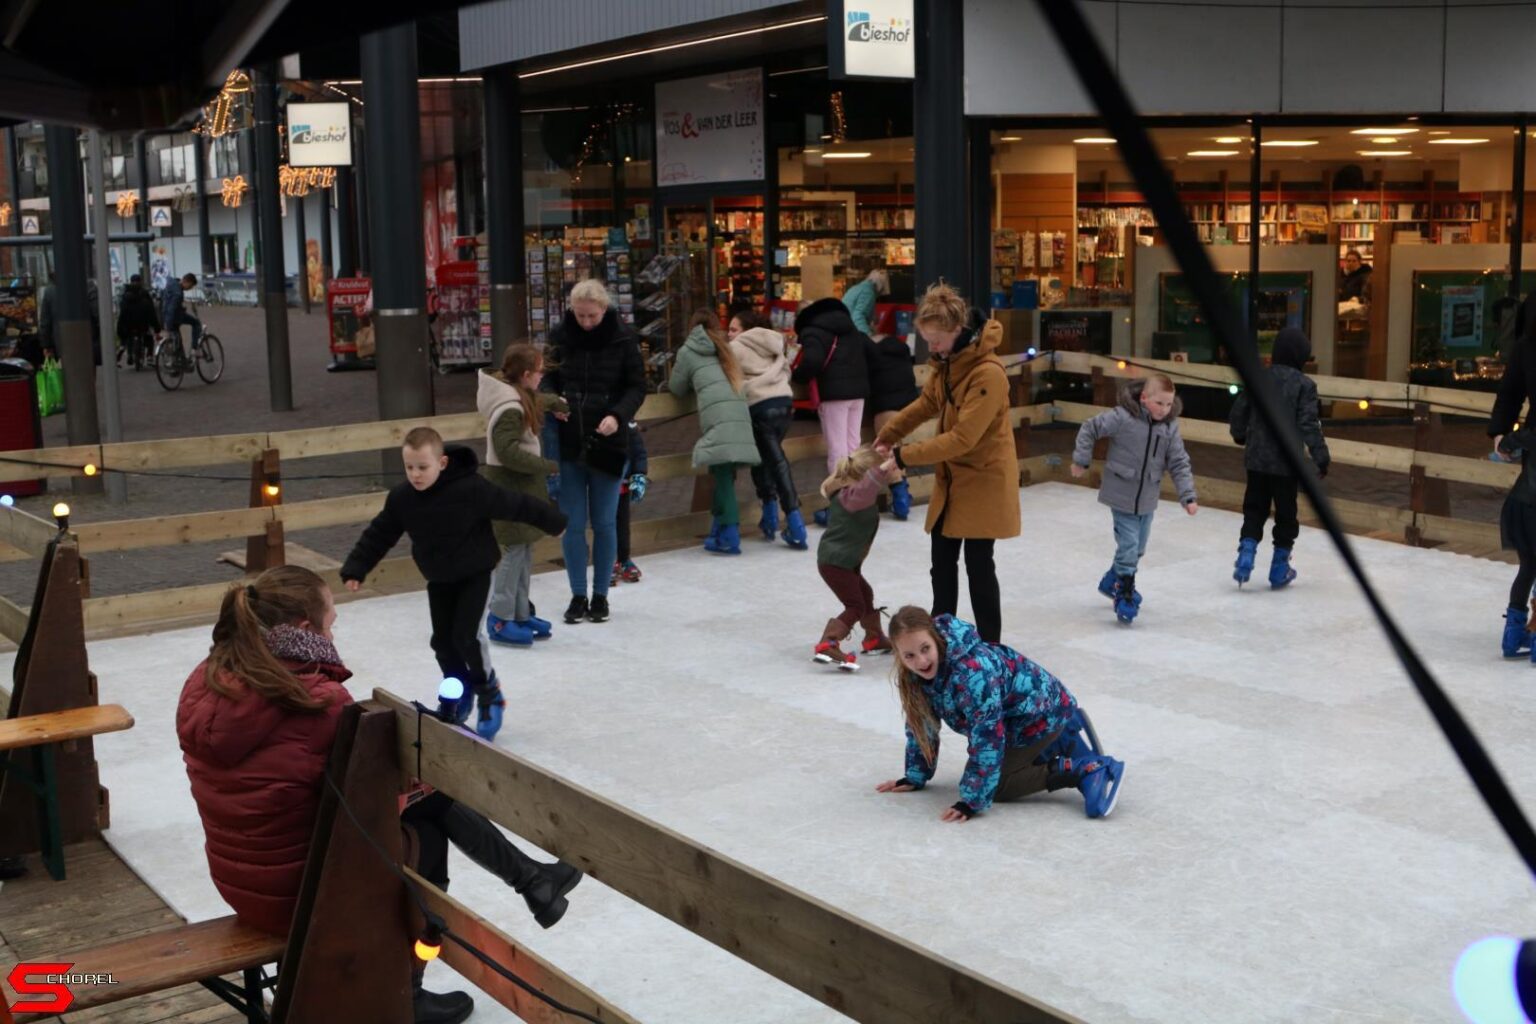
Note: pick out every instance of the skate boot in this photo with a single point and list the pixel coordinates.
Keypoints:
(492, 705)
(828, 651)
(1280, 571)
(901, 500)
(1107, 583)
(540, 628)
(794, 530)
(726, 542)
(1247, 550)
(769, 523)
(714, 532)
(875, 640)
(630, 571)
(504, 631)
(1097, 777)
(1127, 600)
(1517, 641)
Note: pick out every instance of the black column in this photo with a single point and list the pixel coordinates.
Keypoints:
(938, 120)
(141, 212)
(979, 139)
(346, 223)
(393, 146)
(269, 213)
(1517, 243)
(327, 264)
(301, 229)
(71, 314)
(13, 196)
(364, 210)
(204, 234)
(504, 208)
(1255, 223)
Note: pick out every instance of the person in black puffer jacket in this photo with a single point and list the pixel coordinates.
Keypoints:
(1270, 480)
(593, 361)
(834, 354)
(1513, 441)
(892, 387)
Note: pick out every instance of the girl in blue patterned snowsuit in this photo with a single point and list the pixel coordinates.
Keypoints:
(1025, 729)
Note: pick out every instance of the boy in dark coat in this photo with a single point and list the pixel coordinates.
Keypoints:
(447, 508)
(1270, 481)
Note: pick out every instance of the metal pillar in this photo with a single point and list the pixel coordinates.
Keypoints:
(1517, 244)
(117, 484)
(204, 233)
(393, 146)
(1255, 173)
(279, 372)
(346, 223)
(938, 118)
(301, 230)
(71, 316)
(327, 264)
(979, 143)
(141, 212)
(364, 210)
(504, 208)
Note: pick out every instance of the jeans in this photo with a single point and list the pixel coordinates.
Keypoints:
(1131, 533)
(187, 318)
(510, 583)
(1264, 488)
(772, 476)
(723, 507)
(840, 425)
(980, 574)
(457, 610)
(589, 496)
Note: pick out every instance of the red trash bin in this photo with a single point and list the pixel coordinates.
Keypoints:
(21, 427)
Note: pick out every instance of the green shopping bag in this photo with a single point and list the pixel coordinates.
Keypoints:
(50, 388)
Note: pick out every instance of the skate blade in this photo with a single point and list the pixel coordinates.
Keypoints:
(849, 666)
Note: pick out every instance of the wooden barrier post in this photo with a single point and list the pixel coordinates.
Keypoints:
(52, 674)
(349, 953)
(265, 550)
(1426, 495)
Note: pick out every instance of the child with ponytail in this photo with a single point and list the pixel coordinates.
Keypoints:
(852, 521)
(1026, 731)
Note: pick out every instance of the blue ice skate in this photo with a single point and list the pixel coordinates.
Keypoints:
(1280, 572)
(1127, 600)
(1247, 551)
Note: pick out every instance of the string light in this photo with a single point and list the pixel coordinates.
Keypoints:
(233, 191)
(430, 945)
(839, 117)
(89, 469)
(297, 181)
(127, 202)
(1120, 364)
(6, 500)
(228, 111)
(5, 215)
(1232, 389)
(1365, 403)
(61, 516)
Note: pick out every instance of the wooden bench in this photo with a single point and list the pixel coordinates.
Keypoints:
(41, 735)
(178, 956)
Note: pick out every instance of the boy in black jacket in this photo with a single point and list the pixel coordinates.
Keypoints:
(447, 508)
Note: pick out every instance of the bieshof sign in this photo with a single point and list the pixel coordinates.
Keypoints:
(319, 135)
(871, 39)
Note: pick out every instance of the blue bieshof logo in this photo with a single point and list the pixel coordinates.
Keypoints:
(857, 16)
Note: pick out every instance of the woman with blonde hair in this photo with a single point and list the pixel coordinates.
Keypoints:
(852, 523)
(862, 298)
(706, 367)
(975, 500)
(1026, 731)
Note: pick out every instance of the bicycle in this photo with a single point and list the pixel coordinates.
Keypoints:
(172, 362)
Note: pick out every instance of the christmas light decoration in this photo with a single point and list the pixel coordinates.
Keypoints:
(233, 191)
(229, 111)
(5, 215)
(297, 181)
(839, 117)
(127, 202)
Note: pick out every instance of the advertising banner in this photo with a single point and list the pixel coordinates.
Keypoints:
(319, 135)
(710, 129)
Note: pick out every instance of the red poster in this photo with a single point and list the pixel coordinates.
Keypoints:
(351, 328)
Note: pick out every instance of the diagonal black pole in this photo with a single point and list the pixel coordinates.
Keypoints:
(1136, 149)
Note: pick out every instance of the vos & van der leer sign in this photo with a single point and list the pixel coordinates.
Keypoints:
(319, 135)
(710, 129)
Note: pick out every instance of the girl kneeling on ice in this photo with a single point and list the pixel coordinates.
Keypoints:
(1026, 731)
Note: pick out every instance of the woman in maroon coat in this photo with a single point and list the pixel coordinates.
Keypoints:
(256, 722)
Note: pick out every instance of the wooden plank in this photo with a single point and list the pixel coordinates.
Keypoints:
(1459, 531)
(56, 462)
(666, 406)
(862, 971)
(121, 610)
(365, 437)
(13, 624)
(518, 959)
(343, 511)
(293, 554)
(169, 531)
(1466, 471)
(181, 452)
(59, 726)
(26, 532)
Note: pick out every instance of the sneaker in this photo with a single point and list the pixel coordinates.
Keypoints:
(618, 574)
(631, 572)
(598, 611)
(829, 653)
(577, 610)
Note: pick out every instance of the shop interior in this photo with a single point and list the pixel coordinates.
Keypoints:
(1390, 242)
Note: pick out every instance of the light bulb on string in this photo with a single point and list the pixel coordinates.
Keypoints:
(1120, 363)
(1233, 389)
(6, 500)
(430, 945)
(89, 469)
(61, 515)
(1364, 403)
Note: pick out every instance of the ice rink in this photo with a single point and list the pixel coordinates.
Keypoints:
(1294, 840)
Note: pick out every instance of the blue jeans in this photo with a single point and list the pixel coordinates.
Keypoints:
(1131, 533)
(587, 495)
(187, 318)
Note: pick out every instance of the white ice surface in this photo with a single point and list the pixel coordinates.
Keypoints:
(1295, 840)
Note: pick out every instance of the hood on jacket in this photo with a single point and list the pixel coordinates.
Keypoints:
(1291, 348)
(1130, 401)
(699, 340)
(493, 393)
(828, 314)
(960, 637)
(764, 342)
(222, 731)
(605, 333)
(461, 462)
(981, 337)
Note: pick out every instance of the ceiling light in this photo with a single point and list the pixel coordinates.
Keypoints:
(1384, 131)
(1094, 140)
(1455, 142)
(1012, 138)
(1228, 140)
(1440, 133)
(1289, 143)
(675, 46)
(1385, 152)
(1385, 140)
(845, 156)
(1213, 152)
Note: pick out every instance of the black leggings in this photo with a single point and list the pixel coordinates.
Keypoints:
(437, 819)
(456, 609)
(772, 476)
(980, 574)
(1264, 489)
(1520, 593)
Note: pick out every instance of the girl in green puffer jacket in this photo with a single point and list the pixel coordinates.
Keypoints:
(706, 366)
(514, 410)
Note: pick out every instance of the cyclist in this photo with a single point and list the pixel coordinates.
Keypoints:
(138, 322)
(173, 308)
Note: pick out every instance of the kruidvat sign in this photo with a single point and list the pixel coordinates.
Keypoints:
(710, 129)
(319, 135)
(871, 38)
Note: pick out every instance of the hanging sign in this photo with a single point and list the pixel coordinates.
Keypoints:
(159, 216)
(31, 224)
(871, 39)
(710, 129)
(1461, 316)
(319, 135)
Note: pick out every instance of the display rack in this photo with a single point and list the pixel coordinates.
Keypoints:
(462, 325)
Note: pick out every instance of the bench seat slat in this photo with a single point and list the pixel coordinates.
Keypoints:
(58, 726)
(166, 959)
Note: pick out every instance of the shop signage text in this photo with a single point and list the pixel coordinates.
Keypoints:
(319, 135)
(871, 39)
(710, 129)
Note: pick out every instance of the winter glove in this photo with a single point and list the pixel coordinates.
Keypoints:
(553, 483)
(965, 809)
(1322, 470)
(637, 485)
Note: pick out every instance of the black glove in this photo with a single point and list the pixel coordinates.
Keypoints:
(964, 808)
(1322, 470)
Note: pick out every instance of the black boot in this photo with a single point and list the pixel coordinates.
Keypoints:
(542, 886)
(434, 1008)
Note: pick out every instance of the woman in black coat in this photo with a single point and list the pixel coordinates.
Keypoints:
(834, 354)
(892, 387)
(594, 362)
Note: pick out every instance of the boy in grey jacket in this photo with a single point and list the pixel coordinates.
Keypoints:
(1144, 443)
